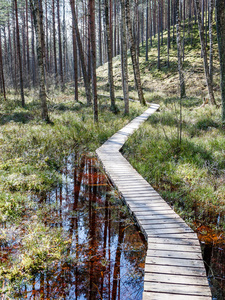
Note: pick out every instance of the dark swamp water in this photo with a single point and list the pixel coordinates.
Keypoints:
(107, 251)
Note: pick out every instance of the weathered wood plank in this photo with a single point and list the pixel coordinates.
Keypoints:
(175, 270)
(174, 254)
(177, 288)
(176, 279)
(169, 261)
(166, 296)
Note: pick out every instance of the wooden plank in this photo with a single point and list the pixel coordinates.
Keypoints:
(182, 289)
(168, 261)
(175, 270)
(173, 241)
(176, 279)
(170, 247)
(174, 254)
(166, 296)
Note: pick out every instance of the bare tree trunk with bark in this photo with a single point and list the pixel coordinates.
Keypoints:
(93, 58)
(109, 52)
(220, 23)
(1, 69)
(134, 55)
(19, 55)
(81, 53)
(124, 58)
(179, 51)
(204, 53)
(36, 6)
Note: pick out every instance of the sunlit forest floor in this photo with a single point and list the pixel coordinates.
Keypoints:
(187, 172)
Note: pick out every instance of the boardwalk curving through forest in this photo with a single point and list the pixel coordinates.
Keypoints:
(174, 268)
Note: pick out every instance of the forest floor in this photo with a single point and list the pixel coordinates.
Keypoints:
(188, 173)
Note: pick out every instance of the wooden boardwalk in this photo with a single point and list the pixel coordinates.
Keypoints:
(174, 268)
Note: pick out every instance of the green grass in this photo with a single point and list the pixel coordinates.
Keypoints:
(33, 155)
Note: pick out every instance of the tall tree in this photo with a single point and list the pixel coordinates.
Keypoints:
(220, 23)
(100, 31)
(179, 51)
(211, 40)
(134, 55)
(1, 68)
(37, 11)
(93, 58)
(75, 64)
(19, 54)
(60, 48)
(204, 53)
(81, 53)
(109, 52)
(124, 58)
(147, 30)
(54, 42)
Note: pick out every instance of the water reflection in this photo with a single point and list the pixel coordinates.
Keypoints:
(105, 257)
(213, 249)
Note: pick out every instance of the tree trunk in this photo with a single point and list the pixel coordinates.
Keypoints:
(158, 23)
(146, 53)
(220, 23)
(81, 53)
(1, 68)
(109, 51)
(93, 58)
(168, 32)
(134, 55)
(60, 48)
(36, 6)
(211, 40)
(204, 54)
(19, 55)
(75, 65)
(54, 42)
(124, 58)
(179, 51)
(100, 31)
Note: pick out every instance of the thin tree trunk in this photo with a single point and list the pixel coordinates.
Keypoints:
(27, 41)
(75, 64)
(124, 58)
(134, 55)
(1, 68)
(60, 48)
(109, 51)
(158, 23)
(204, 53)
(168, 32)
(220, 23)
(93, 58)
(54, 42)
(100, 31)
(19, 55)
(36, 6)
(81, 54)
(211, 40)
(179, 51)
(146, 53)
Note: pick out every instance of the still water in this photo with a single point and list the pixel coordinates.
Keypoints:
(106, 252)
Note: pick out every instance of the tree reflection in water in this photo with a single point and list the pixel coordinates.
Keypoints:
(106, 253)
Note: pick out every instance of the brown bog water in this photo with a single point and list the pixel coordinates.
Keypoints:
(107, 251)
